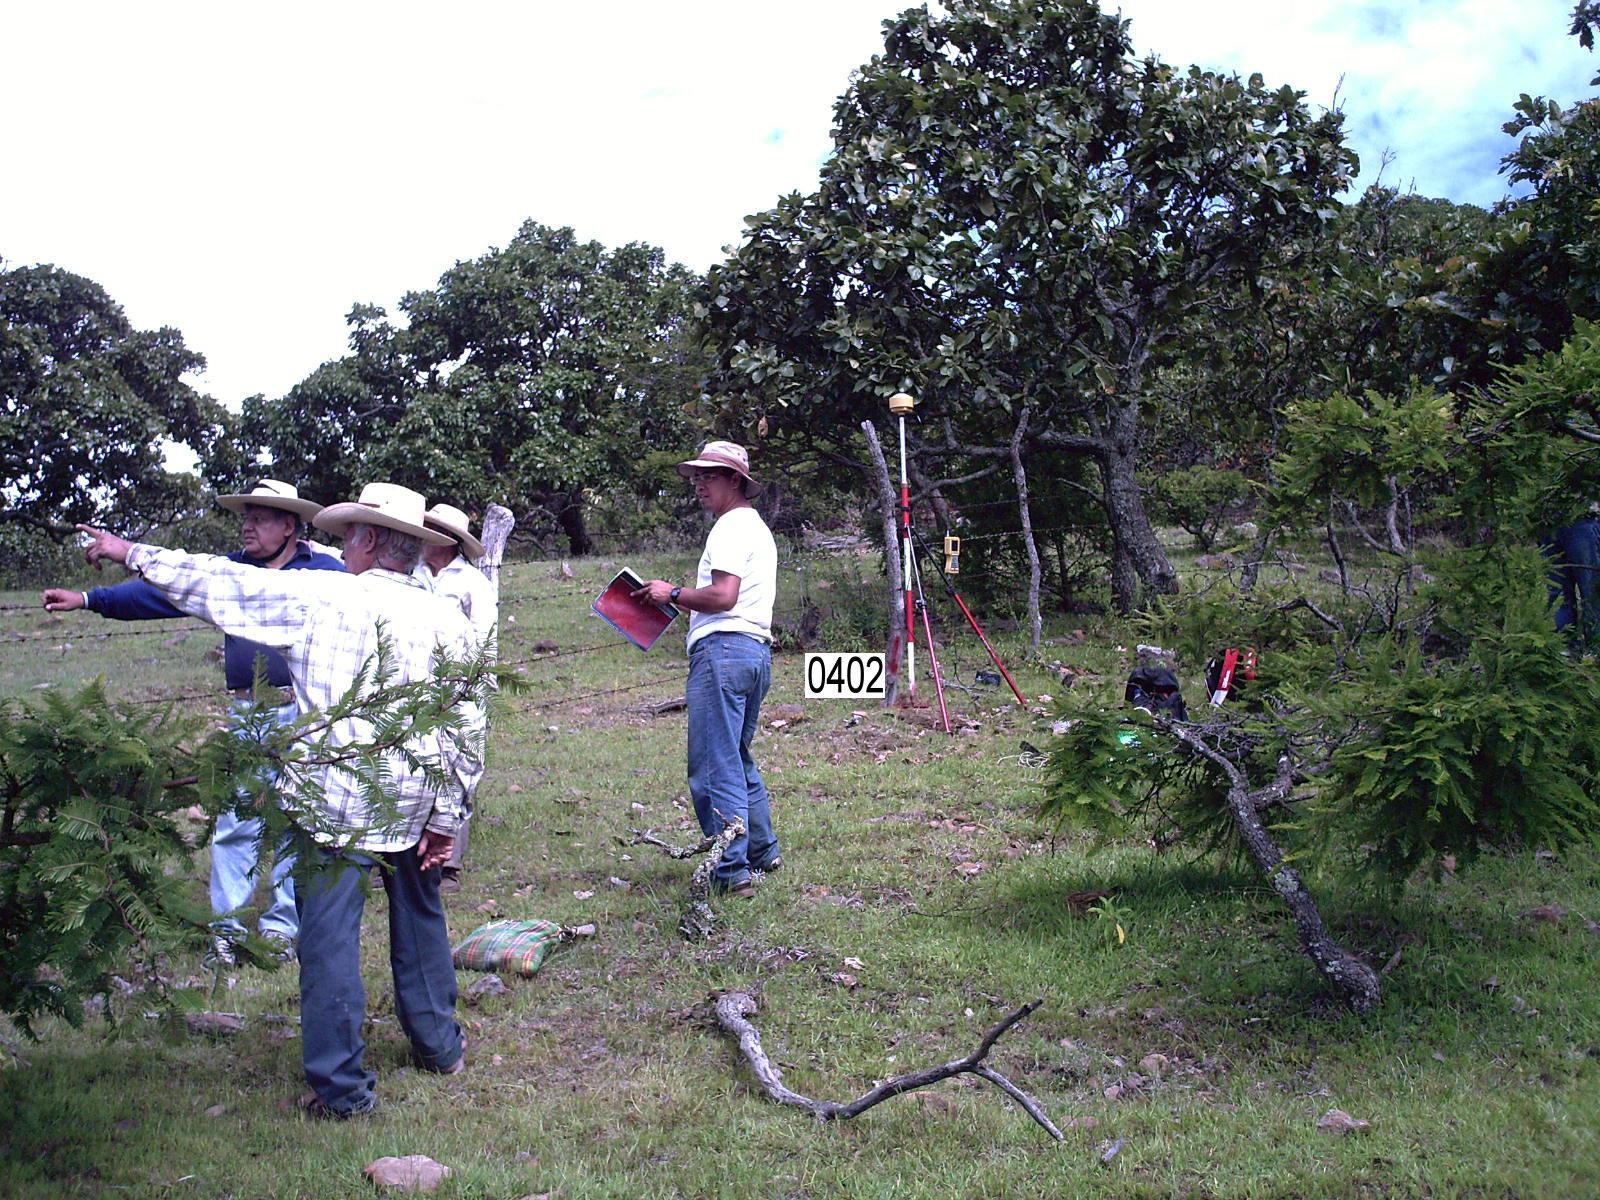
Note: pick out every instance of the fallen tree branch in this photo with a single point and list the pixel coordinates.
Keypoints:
(1356, 981)
(699, 920)
(643, 837)
(734, 1010)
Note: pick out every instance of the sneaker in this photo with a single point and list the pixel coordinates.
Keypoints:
(220, 955)
(312, 1105)
(282, 946)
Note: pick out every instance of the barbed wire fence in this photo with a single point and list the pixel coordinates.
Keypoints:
(832, 598)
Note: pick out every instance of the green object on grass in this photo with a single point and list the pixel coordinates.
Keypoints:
(520, 946)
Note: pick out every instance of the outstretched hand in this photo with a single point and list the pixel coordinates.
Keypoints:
(62, 599)
(104, 547)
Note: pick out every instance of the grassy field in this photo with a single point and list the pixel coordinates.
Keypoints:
(914, 853)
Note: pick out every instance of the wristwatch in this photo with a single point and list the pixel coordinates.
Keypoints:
(673, 595)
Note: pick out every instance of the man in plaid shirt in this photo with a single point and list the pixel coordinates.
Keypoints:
(327, 626)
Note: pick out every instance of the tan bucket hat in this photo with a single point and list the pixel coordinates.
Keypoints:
(272, 493)
(723, 454)
(447, 518)
(385, 504)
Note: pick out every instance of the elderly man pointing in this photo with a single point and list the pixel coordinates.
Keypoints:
(328, 626)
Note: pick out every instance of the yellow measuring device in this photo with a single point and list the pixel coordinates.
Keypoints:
(952, 554)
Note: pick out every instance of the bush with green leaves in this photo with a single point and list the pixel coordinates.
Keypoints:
(96, 855)
(1411, 716)
(1201, 500)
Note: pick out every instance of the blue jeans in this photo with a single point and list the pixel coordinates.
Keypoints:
(236, 853)
(729, 675)
(333, 1001)
(1574, 551)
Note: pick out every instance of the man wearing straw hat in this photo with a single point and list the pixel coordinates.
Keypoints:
(730, 661)
(270, 522)
(450, 572)
(328, 628)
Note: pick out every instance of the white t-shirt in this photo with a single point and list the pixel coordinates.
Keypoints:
(740, 544)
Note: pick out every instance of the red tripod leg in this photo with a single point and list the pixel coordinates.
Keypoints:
(933, 660)
(976, 628)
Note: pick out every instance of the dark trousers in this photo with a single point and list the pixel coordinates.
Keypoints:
(1574, 554)
(332, 999)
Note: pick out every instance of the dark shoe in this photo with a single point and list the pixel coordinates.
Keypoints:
(743, 891)
(773, 867)
(450, 881)
(311, 1104)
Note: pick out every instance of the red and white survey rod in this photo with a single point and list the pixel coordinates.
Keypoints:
(901, 404)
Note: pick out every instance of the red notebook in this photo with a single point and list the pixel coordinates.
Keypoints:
(640, 621)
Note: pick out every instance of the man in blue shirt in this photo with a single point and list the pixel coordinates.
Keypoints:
(271, 515)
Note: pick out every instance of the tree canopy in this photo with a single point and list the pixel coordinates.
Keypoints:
(526, 377)
(87, 405)
(1019, 221)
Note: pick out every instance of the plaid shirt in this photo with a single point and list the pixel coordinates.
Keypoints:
(326, 625)
(470, 588)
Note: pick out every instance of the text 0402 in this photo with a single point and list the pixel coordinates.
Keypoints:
(845, 677)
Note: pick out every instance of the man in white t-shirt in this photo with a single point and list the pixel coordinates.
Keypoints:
(730, 660)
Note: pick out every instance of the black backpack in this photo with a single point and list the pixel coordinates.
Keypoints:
(1156, 689)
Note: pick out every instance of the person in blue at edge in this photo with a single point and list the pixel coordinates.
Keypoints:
(730, 661)
(1574, 554)
(271, 516)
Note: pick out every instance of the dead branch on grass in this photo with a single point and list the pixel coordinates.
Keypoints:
(699, 920)
(734, 1010)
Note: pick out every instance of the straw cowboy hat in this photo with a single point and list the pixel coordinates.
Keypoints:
(447, 518)
(272, 493)
(723, 454)
(386, 504)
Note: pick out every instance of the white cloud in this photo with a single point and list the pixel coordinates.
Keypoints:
(246, 174)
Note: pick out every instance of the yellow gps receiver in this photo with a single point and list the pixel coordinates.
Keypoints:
(952, 554)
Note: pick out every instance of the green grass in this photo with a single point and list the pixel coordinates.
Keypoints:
(601, 1076)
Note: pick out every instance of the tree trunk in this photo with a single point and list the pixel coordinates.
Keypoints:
(497, 526)
(569, 512)
(1130, 525)
(1020, 475)
(891, 557)
(1357, 982)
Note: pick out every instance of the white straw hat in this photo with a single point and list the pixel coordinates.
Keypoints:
(385, 504)
(447, 518)
(272, 493)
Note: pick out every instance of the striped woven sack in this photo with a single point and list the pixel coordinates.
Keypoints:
(520, 946)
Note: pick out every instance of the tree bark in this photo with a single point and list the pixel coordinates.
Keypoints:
(891, 557)
(569, 513)
(734, 1010)
(1131, 530)
(497, 526)
(1020, 475)
(1356, 981)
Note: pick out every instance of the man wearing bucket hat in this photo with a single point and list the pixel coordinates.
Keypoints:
(271, 515)
(328, 628)
(730, 660)
(450, 572)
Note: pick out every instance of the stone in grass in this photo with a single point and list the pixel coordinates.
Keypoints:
(489, 985)
(1337, 1121)
(214, 1024)
(413, 1173)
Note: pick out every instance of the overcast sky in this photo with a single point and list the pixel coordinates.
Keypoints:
(246, 173)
